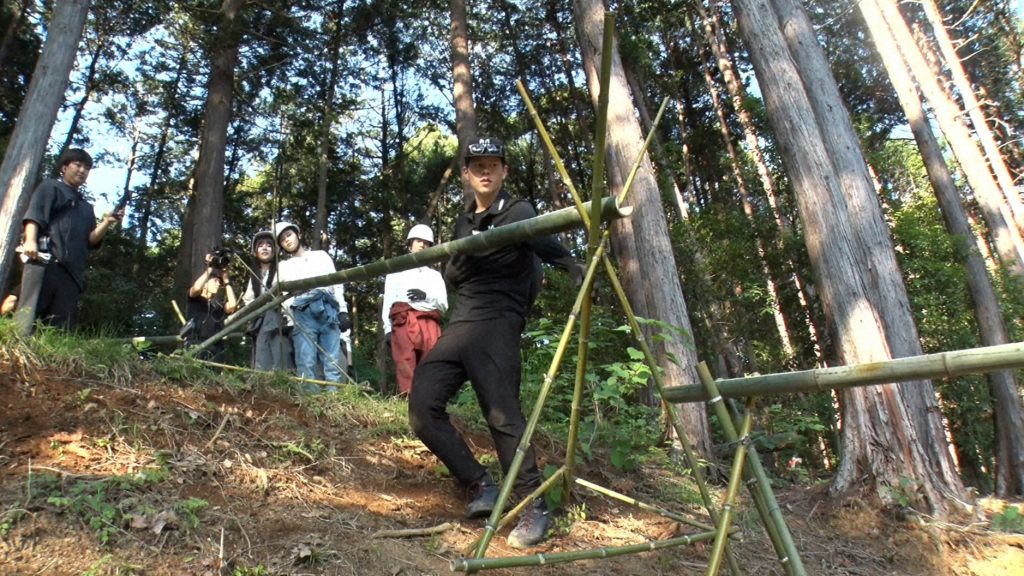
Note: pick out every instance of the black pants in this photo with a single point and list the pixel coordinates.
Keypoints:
(487, 354)
(48, 294)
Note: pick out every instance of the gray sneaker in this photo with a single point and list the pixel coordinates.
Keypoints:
(532, 527)
(484, 495)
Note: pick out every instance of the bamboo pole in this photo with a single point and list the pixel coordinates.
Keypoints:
(474, 565)
(492, 524)
(771, 514)
(644, 506)
(735, 479)
(926, 367)
(638, 336)
(542, 225)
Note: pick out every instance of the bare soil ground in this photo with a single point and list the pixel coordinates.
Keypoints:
(183, 479)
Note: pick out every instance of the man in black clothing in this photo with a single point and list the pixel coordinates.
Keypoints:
(59, 230)
(494, 290)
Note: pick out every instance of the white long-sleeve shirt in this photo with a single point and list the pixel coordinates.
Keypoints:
(311, 263)
(398, 284)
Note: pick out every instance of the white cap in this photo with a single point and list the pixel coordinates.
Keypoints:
(422, 232)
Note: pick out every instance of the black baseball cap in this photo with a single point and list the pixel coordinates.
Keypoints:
(485, 146)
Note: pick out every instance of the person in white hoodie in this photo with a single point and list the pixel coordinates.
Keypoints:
(319, 316)
(414, 301)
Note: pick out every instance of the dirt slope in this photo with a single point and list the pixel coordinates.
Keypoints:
(146, 476)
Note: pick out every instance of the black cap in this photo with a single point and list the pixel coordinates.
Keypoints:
(485, 146)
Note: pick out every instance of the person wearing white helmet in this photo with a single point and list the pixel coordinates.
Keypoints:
(271, 343)
(319, 316)
(414, 301)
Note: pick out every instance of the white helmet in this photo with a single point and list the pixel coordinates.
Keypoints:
(422, 232)
(280, 227)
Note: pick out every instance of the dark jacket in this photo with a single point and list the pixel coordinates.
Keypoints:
(503, 282)
(63, 214)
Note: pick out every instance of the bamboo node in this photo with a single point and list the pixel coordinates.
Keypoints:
(715, 399)
(541, 559)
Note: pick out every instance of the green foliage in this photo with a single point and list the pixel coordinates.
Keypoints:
(103, 504)
(305, 450)
(905, 494)
(613, 418)
(259, 570)
(1009, 519)
(189, 511)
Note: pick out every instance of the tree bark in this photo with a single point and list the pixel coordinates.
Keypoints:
(650, 275)
(884, 431)
(991, 326)
(1005, 236)
(35, 121)
(207, 221)
(462, 75)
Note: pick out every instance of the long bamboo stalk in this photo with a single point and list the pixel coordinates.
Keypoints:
(642, 505)
(735, 479)
(771, 514)
(542, 225)
(531, 424)
(649, 358)
(475, 564)
(926, 367)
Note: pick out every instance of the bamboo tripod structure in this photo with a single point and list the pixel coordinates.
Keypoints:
(581, 312)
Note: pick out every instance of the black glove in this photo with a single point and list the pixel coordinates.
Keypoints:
(387, 339)
(344, 322)
(416, 295)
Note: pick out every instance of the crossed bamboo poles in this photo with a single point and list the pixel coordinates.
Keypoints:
(597, 242)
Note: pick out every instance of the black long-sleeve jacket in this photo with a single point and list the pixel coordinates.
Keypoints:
(503, 282)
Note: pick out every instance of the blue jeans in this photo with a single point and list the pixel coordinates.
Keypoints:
(317, 340)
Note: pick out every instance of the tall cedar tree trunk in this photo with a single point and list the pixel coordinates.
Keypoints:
(994, 209)
(1009, 422)
(206, 210)
(871, 232)
(641, 242)
(885, 428)
(462, 76)
(737, 93)
(975, 112)
(326, 122)
(35, 121)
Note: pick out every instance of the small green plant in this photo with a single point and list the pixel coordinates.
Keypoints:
(905, 494)
(9, 519)
(105, 504)
(189, 511)
(309, 450)
(573, 514)
(258, 570)
(83, 396)
(1009, 520)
